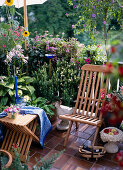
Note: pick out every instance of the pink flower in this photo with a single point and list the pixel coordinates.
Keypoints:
(88, 60)
(83, 25)
(108, 96)
(4, 35)
(73, 26)
(66, 14)
(18, 34)
(72, 59)
(4, 46)
(77, 62)
(104, 22)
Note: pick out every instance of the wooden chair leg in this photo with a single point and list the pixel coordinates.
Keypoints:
(77, 125)
(95, 136)
(68, 133)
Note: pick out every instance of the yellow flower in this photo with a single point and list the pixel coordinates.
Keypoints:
(9, 2)
(26, 34)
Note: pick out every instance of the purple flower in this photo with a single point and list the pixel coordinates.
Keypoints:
(74, 6)
(88, 60)
(66, 14)
(72, 60)
(93, 15)
(112, 1)
(83, 25)
(73, 26)
(104, 22)
(94, 7)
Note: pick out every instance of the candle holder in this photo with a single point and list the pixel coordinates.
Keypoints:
(50, 56)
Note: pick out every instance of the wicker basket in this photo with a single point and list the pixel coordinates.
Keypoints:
(95, 152)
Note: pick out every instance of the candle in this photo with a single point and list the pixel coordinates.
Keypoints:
(16, 90)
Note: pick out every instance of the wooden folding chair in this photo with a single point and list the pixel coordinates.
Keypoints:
(89, 99)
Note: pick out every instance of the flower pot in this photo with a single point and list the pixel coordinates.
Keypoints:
(8, 155)
(54, 117)
(12, 116)
(111, 119)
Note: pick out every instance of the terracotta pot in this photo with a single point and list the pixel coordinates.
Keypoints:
(54, 117)
(9, 157)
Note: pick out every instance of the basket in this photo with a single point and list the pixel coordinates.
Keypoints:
(92, 152)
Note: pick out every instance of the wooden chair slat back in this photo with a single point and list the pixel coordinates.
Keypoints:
(89, 94)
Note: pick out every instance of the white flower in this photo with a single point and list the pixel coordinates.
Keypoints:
(18, 46)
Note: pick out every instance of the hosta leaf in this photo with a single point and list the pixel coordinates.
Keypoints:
(31, 89)
(20, 92)
(3, 92)
(11, 93)
(20, 80)
(22, 88)
(28, 79)
(11, 86)
(3, 101)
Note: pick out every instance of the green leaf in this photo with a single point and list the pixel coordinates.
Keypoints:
(3, 101)
(20, 80)
(20, 92)
(12, 10)
(3, 92)
(10, 86)
(28, 79)
(4, 26)
(11, 93)
(31, 89)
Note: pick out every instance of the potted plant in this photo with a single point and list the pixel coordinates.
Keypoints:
(12, 111)
(112, 109)
(6, 158)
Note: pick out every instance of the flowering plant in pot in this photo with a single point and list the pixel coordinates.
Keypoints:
(112, 109)
(12, 111)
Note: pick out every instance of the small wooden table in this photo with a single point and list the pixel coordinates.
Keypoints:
(21, 131)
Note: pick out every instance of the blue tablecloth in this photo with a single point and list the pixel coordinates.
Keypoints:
(3, 114)
(45, 125)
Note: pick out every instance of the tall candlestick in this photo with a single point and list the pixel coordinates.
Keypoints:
(16, 90)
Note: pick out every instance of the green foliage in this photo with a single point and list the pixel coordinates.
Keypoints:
(7, 91)
(42, 84)
(43, 104)
(35, 56)
(95, 53)
(68, 81)
(10, 36)
(62, 84)
(46, 164)
(94, 15)
(50, 15)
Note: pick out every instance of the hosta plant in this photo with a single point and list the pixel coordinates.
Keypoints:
(7, 90)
